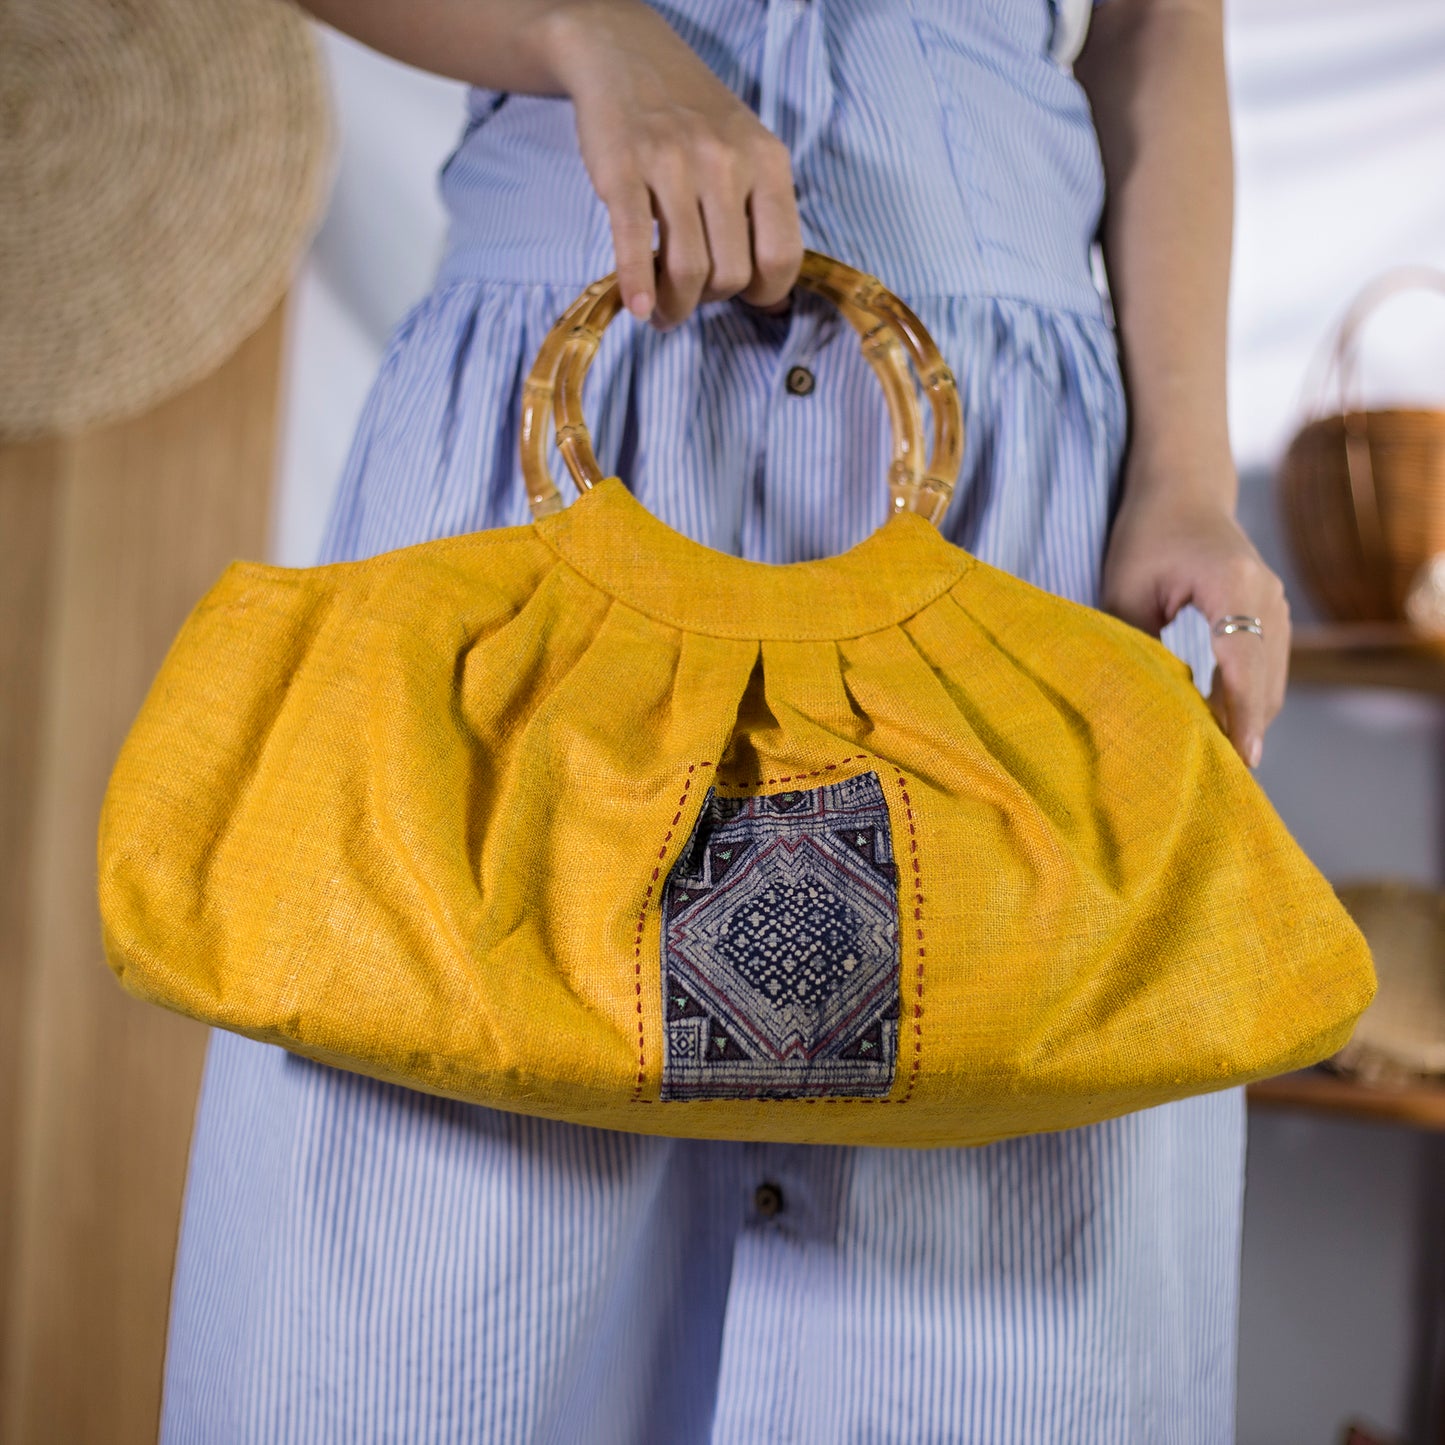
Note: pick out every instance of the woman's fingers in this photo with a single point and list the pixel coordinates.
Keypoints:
(721, 241)
(682, 262)
(1171, 546)
(725, 239)
(1238, 693)
(665, 141)
(1251, 669)
(727, 226)
(724, 200)
(776, 231)
(629, 209)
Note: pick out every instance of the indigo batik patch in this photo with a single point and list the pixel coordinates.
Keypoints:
(780, 947)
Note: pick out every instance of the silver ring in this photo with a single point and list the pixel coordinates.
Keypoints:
(1238, 622)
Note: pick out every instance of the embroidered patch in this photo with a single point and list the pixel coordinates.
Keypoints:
(780, 947)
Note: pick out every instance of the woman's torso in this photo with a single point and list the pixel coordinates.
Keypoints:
(369, 1238)
(935, 143)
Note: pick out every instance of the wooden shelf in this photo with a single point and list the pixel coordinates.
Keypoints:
(1362, 654)
(1368, 654)
(1419, 1105)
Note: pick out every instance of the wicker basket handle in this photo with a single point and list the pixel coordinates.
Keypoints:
(890, 335)
(1344, 355)
(1343, 366)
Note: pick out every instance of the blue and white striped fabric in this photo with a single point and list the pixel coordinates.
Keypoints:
(935, 143)
(361, 1263)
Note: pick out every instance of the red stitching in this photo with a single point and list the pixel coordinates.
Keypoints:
(918, 919)
(793, 777)
(641, 924)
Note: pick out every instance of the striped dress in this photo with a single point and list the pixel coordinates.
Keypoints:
(361, 1263)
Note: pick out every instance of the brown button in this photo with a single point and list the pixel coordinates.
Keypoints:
(800, 380)
(768, 1200)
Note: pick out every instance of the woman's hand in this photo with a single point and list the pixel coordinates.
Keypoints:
(1171, 546)
(662, 137)
(1155, 78)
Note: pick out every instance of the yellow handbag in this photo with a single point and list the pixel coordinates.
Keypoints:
(586, 820)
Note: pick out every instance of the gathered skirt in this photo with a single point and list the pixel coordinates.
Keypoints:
(360, 1262)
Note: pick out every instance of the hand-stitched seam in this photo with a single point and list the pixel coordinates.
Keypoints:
(641, 923)
(792, 777)
(918, 938)
(927, 599)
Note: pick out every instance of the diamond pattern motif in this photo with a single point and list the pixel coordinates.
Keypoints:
(780, 947)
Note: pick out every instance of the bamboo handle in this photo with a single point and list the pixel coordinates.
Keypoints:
(890, 334)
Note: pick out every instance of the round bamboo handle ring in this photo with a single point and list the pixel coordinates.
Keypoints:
(890, 334)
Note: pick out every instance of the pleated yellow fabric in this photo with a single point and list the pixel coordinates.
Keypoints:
(424, 816)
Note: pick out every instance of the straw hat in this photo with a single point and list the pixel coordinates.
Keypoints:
(162, 165)
(1402, 1033)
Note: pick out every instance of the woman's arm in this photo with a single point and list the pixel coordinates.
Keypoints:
(494, 44)
(662, 137)
(1154, 74)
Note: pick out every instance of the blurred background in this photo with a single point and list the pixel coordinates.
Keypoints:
(1339, 116)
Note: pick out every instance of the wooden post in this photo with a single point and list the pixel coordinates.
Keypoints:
(107, 540)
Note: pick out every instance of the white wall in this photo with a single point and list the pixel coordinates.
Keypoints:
(1339, 113)
(372, 259)
(1340, 141)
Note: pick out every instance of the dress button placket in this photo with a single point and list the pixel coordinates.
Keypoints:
(768, 1200)
(800, 381)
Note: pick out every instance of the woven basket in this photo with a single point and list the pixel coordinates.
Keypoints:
(1363, 492)
(1401, 1035)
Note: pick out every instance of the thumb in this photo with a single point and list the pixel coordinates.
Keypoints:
(1219, 699)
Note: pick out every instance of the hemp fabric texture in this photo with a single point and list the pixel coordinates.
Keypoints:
(421, 816)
